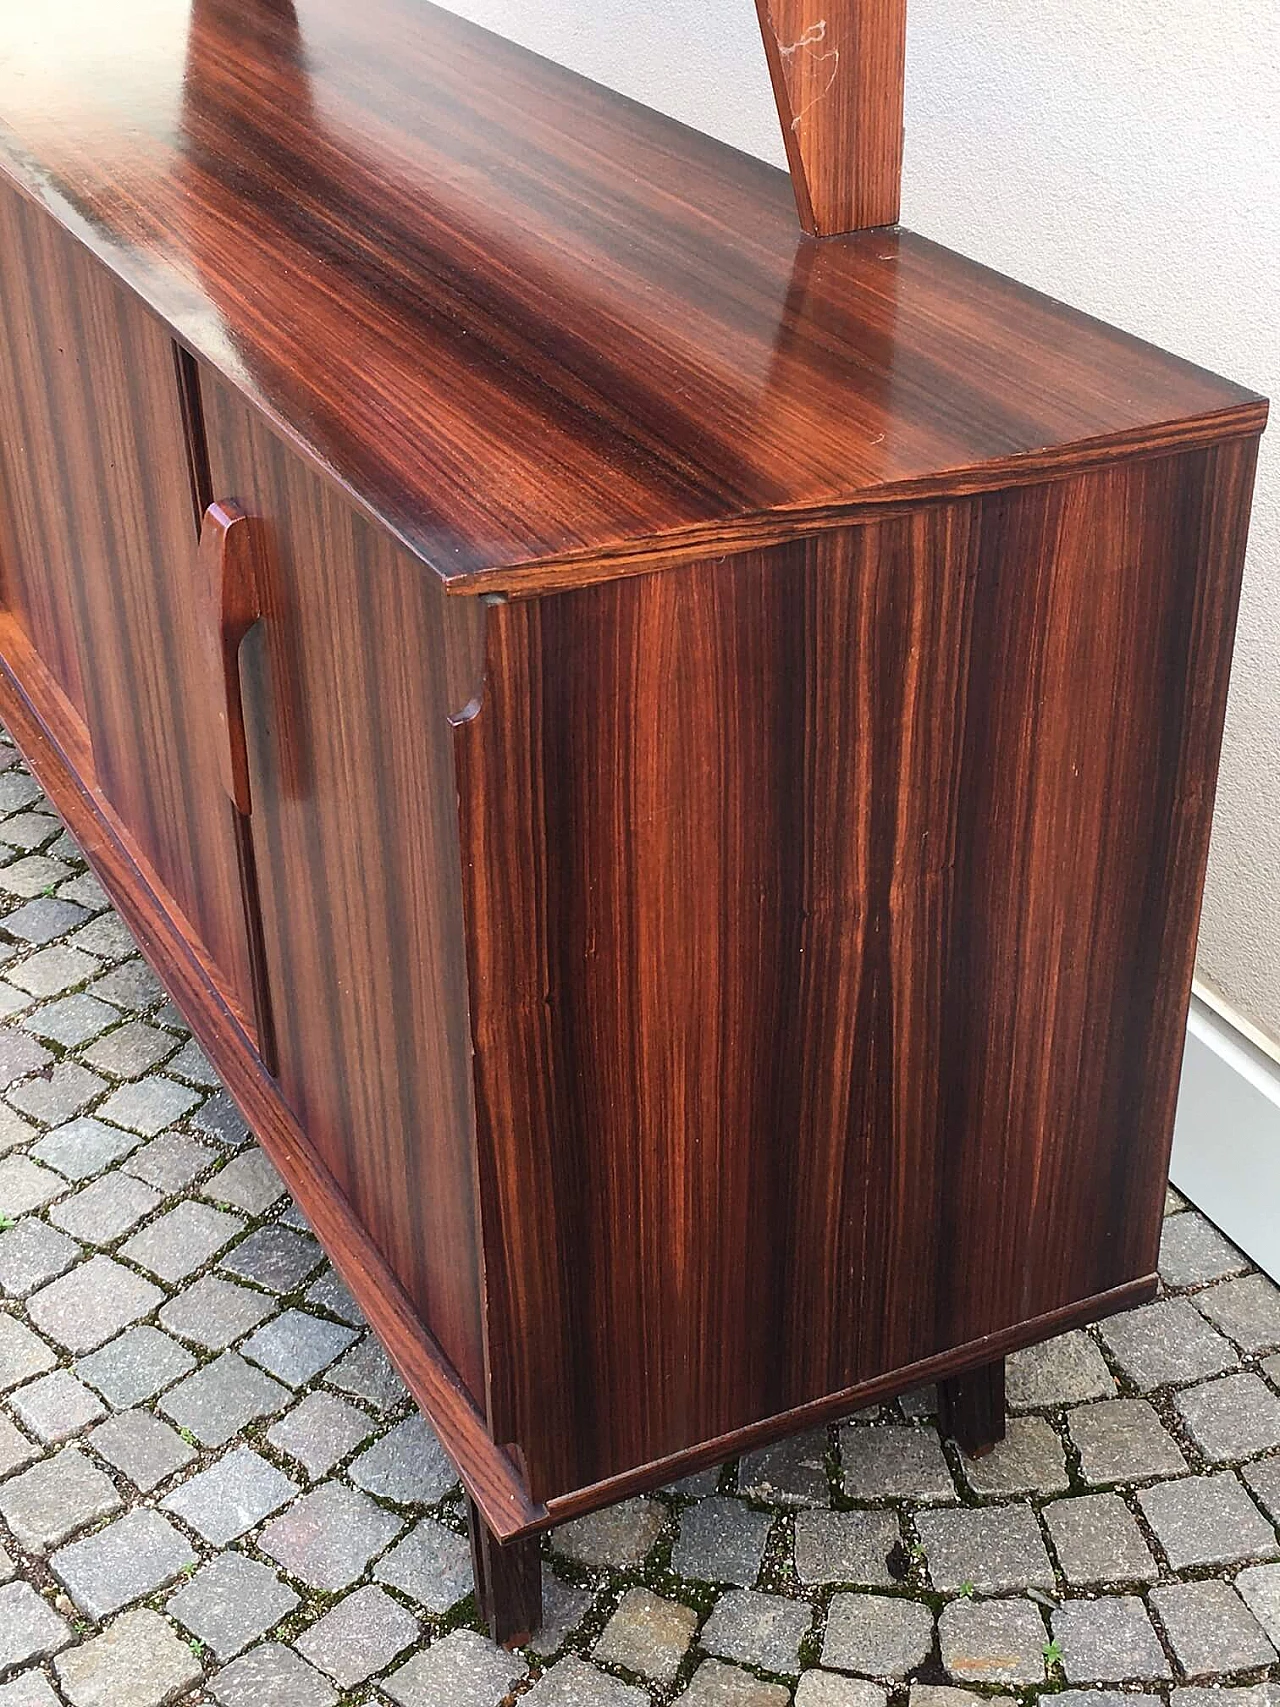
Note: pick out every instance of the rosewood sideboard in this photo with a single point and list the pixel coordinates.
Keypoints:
(667, 757)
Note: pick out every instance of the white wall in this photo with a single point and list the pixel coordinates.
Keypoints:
(1123, 155)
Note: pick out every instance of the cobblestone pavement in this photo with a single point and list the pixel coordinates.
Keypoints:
(213, 1487)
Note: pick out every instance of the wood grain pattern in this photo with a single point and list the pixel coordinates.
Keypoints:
(526, 323)
(355, 835)
(54, 742)
(842, 912)
(101, 559)
(837, 71)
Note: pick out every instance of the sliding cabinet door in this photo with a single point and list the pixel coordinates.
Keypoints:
(99, 493)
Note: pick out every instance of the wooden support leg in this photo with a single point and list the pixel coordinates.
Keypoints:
(971, 1408)
(508, 1583)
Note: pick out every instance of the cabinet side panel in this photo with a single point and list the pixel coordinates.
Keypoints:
(356, 841)
(832, 912)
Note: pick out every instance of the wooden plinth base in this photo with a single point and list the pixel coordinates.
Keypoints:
(508, 1582)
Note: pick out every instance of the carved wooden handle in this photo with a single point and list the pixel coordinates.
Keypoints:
(229, 607)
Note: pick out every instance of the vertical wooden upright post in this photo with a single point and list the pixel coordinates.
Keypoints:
(837, 68)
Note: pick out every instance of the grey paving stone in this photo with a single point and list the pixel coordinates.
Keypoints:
(56, 1407)
(1193, 1251)
(11, 1001)
(233, 1495)
(71, 1020)
(715, 1684)
(992, 1641)
(248, 1182)
(790, 1472)
(949, 1695)
(135, 1367)
(1107, 1698)
(1097, 1541)
(133, 986)
(320, 1431)
(366, 1373)
(220, 1118)
(170, 1162)
(1109, 1640)
(1233, 1418)
(327, 1538)
(697, 1484)
(408, 1465)
(894, 1463)
(1207, 1520)
(647, 1635)
(19, 1054)
(169, 1015)
(564, 1606)
(432, 1566)
(845, 1547)
(876, 1635)
(54, 1498)
(130, 1559)
(141, 1447)
(67, 1090)
(42, 921)
(1210, 1628)
(182, 1240)
(570, 1682)
(149, 1105)
(617, 1537)
(214, 1312)
(1169, 1342)
(720, 1541)
(996, 1548)
(362, 1634)
(273, 1257)
(136, 1662)
(292, 1216)
(83, 1147)
(108, 937)
(1247, 1310)
(1264, 1481)
(1271, 1369)
(29, 1627)
(1028, 1460)
(1123, 1440)
(25, 1185)
(131, 1049)
(1066, 1370)
(192, 1063)
(15, 1449)
(106, 1210)
(272, 1676)
(231, 1602)
(18, 789)
(22, 1353)
(330, 1292)
(31, 1689)
(465, 1670)
(1260, 1695)
(53, 970)
(220, 1399)
(29, 830)
(84, 890)
(32, 1254)
(31, 875)
(13, 1130)
(1259, 1587)
(763, 1630)
(296, 1346)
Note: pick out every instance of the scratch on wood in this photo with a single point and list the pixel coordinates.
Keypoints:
(808, 43)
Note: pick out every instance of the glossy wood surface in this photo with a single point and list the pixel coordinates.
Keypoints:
(836, 905)
(837, 73)
(355, 838)
(98, 560)
(524, 321)
(52, 737)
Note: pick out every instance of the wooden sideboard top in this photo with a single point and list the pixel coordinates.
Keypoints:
(541, 333)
